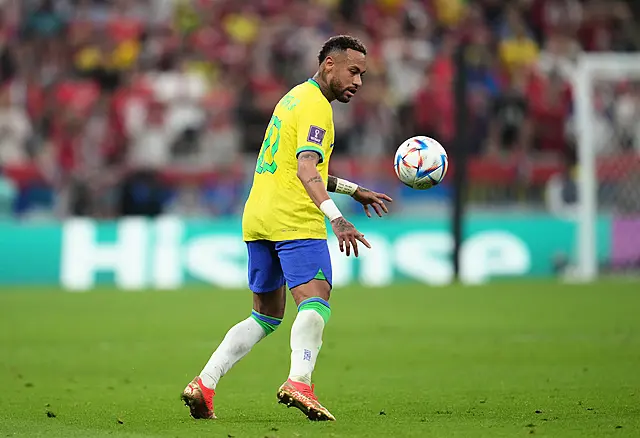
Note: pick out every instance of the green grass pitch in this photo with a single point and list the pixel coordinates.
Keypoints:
(506, 360)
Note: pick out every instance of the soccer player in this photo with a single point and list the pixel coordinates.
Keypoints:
(284, 228)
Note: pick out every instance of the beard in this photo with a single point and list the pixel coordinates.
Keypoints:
(338, 90)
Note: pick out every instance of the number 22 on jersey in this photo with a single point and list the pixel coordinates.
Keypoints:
(266, 159)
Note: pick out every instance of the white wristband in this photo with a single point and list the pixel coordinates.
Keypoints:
(345, 187)
(330, 209)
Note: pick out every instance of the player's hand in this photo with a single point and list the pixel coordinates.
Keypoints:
(368, 198)
(348, 236)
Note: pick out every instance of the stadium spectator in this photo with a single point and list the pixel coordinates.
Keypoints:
(15, 131)
(517, 47)
(184, 88)
(510, 127)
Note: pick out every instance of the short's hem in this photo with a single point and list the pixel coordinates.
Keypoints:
(259, 290)
(307, 281)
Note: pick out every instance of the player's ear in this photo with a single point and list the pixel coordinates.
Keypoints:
(329, 62)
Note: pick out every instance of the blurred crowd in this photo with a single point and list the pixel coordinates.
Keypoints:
(129, 107)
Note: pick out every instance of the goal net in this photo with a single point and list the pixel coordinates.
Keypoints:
(607, 128)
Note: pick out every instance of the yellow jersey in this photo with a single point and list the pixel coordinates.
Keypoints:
(518, 52)
(278, 207)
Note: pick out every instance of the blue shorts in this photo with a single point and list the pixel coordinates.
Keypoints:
(290, 262)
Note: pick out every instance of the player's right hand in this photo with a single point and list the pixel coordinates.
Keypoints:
(348, 236)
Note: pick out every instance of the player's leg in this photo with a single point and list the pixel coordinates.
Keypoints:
(312, 300)
(266, 316)
(307, 268)
(266, 280)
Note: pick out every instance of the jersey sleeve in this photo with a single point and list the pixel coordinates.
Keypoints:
(314, 128)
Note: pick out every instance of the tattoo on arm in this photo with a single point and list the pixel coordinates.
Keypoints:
(332, 184)
(362, 189)
(315, 179)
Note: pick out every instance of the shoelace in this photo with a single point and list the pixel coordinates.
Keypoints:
(308, 391)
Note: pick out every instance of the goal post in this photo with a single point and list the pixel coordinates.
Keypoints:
(594, 69)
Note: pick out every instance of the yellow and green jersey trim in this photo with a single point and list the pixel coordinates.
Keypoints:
(309, 148)
(313, 82)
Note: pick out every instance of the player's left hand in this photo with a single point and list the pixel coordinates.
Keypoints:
(368, 198)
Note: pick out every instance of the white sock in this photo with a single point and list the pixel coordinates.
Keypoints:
(306, 340)
(236, 344)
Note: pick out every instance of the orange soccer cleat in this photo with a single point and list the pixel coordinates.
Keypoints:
(199, 399)
(302, 397)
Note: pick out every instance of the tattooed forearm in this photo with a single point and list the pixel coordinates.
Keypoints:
(310, 178)
(315, 179)
(362, 189)
(332, 183)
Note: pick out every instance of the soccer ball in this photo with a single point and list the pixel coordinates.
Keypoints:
(421, 162)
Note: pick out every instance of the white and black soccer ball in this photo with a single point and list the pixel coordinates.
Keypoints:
(421, 162)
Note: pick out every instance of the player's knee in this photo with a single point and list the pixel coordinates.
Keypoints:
(268, 323)
(318, 305)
